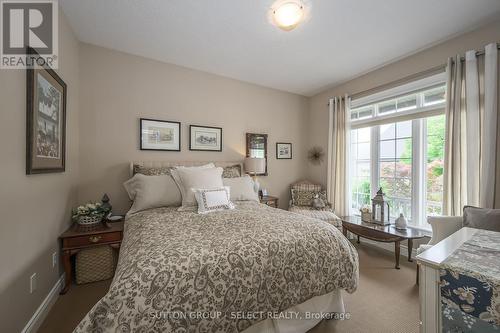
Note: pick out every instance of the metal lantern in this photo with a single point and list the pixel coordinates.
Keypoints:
(380, 209)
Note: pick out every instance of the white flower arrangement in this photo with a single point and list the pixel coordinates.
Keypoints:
(366, 209)
(366, 213)
(90, 209)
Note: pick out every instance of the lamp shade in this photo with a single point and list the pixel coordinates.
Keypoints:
(255, 165)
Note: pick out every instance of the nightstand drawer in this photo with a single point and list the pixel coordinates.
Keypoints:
(92, 239)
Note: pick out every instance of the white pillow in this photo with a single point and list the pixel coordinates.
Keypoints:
(175, 175)
(242, 188)
(177, 179)
(213, 200)
(152, 192)
(197, 178)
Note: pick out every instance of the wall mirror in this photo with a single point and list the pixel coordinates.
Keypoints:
(257, 147)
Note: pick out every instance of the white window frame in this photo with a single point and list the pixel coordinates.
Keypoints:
(419, 133)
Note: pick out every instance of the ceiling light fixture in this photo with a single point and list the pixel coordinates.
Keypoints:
(287, 15)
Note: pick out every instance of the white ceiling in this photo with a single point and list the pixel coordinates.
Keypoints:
(233, 38)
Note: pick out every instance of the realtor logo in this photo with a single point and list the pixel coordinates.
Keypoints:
(26, 24)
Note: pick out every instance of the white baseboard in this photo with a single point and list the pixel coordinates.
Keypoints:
(37, 319)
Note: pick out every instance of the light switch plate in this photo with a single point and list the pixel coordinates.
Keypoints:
(54, 259)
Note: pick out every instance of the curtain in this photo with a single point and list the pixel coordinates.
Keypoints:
(471, 168)
(338, 192)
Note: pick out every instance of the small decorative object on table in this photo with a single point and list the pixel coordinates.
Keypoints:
(380, 209)
(366, 213)
(90, 215)
(401, 222)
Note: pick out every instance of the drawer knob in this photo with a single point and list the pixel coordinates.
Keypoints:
(94, 239)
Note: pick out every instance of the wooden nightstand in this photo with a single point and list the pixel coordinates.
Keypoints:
(73, 241)
(270, 201)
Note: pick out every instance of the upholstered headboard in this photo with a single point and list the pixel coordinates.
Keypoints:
(159, 164)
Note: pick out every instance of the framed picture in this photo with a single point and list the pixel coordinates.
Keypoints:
(45, 120)
(160, 135)
(203, 138)
(283, 151)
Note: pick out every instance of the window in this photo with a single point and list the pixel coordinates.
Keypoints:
(398, 144)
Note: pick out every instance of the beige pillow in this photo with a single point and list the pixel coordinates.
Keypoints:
(151, 192)
(190, 178)
(176, 177)
(241, 188)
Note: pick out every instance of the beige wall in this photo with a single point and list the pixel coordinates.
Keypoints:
(117, 89)
(429, 58)
(33, 209)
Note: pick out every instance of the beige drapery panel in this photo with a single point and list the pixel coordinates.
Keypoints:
(472, 161)
(338, 157)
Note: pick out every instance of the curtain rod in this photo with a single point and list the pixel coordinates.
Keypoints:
(413, 77)
(480, 52)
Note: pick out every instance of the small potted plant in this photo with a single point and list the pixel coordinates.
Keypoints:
(90, 213)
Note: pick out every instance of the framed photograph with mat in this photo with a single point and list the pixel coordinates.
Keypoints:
(205, 138)
(283, 151)
(45, 120)
(160, 135)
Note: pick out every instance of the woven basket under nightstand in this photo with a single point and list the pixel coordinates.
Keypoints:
(95, 264)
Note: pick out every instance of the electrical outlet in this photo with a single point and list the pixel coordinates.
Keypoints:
(54, 259)
(33, 283)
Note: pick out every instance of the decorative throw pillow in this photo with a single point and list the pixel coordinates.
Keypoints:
(302, 198)
(151, 192)
(177, 179)
(306, 197)
(213, 200)
(232, 171)
(189, 178)
(242, 188)
(152, 171)
(318, 203)
(481, 218)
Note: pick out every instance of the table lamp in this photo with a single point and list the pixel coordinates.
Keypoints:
(255, 166)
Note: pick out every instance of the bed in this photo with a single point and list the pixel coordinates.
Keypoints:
(251, 269)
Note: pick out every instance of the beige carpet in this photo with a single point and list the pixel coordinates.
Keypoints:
(386, 299)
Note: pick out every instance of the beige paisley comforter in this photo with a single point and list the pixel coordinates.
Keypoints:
(185, 272)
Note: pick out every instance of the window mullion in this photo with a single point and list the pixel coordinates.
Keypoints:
(374, 160)
(423, 165)
(417, 172)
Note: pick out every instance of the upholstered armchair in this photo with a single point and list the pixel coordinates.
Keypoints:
(473, 217)
(302, 196)
(442, 227)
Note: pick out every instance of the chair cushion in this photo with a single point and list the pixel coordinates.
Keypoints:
(481, 218)
(324, 215)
